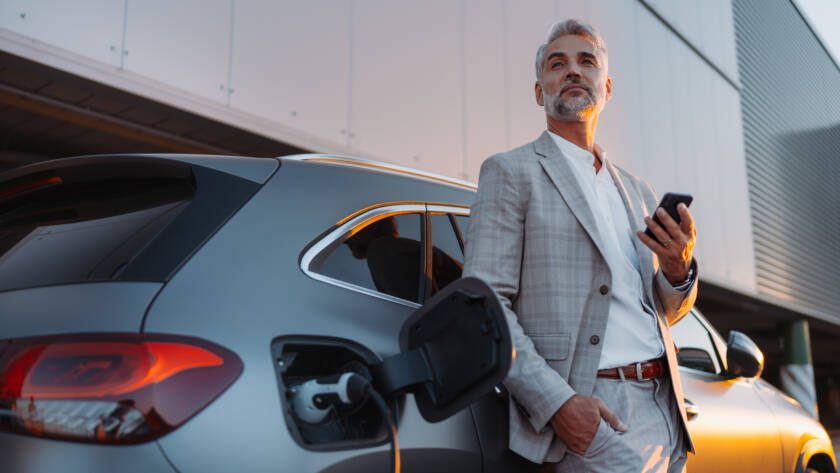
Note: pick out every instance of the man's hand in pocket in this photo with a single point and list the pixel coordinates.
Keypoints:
(576, 422)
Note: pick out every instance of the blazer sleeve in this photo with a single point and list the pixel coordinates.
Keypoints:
(494, 250)
(675, 302)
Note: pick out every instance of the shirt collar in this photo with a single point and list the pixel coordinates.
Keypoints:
(575, 153)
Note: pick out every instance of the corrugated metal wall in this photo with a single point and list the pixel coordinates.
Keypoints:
(791, 113)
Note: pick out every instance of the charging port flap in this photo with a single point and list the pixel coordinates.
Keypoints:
(454, 350)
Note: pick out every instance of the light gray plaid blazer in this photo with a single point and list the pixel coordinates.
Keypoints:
(532, 238)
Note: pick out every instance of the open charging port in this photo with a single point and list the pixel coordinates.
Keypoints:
(301, 360)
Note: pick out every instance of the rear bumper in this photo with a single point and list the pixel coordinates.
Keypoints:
(20, 453)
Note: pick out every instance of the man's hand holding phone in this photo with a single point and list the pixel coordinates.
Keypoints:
(671, 235)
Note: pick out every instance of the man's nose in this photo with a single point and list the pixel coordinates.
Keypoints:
(572, 76)
(572, 70)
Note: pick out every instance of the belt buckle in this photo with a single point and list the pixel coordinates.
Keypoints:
(639, 376)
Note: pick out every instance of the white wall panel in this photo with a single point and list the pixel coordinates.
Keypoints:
(737, 225)
(700, 148)
(707, 24)
(484, 68)
(682, 111)
(718, 167)
(678, 15)
(184, 44)
(407, 83)
(526, 29)
(708, 201)
(720, 25)
(620, 126)
(565, 9)
(723, 25)
(655, 92)
(711, 32)
(91, 28)
(276, 77)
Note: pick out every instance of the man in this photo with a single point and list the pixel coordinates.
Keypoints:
(556, 231)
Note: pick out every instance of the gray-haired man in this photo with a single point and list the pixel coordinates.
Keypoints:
(556, 231)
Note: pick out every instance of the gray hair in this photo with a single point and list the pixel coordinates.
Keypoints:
(569, 27)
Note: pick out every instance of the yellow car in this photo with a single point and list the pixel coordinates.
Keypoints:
(739, 422)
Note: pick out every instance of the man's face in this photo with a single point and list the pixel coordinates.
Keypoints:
(574, 84)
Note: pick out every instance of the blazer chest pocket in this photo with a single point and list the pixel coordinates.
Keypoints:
(552, 347)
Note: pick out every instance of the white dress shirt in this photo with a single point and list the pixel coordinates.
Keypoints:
(632, 334)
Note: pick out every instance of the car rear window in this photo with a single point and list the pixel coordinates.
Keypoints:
(103, 220)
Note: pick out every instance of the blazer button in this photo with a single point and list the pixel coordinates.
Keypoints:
(594, 339)
(604, 289)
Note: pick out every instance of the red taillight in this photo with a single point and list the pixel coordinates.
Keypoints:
(109, 388)
(29, 185)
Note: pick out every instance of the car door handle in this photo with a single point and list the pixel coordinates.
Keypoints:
(691, 409)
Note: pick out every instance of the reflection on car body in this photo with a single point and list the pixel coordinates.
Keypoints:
(303, 267)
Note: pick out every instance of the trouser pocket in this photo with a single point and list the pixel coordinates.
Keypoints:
(600, 440)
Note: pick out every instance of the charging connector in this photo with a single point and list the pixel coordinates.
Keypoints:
(313, 401)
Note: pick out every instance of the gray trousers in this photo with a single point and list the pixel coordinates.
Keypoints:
(654, 442)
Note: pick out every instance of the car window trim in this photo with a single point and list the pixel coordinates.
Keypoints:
(709, 333)
(426, 254)
(374, 213)
(456, 209)
(450, 210)
(718, 343)
(459, 235)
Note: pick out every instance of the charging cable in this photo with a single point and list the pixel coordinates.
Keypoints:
(392, 427)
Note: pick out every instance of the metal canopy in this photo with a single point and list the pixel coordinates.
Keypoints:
(47, 113)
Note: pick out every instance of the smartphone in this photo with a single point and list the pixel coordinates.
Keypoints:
(669, 203)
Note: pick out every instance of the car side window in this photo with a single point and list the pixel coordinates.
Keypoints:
(696, 350)
(447, 255)
(383, 255)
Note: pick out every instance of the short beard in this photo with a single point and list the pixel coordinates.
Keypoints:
(574, 109)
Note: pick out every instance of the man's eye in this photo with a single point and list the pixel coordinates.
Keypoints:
(556, 65)
(589, 61)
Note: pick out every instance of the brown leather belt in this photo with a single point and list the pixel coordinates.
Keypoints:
(639, 371)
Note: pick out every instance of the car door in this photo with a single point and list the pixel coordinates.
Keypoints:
(732, 427)
(384, 258)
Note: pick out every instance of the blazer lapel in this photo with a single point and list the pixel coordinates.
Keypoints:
(635, 213)
(562, 176)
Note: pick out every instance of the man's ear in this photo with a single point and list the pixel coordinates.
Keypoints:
(609, 88)
(538, 93)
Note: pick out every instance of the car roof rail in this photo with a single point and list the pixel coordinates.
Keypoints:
(379, 166)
